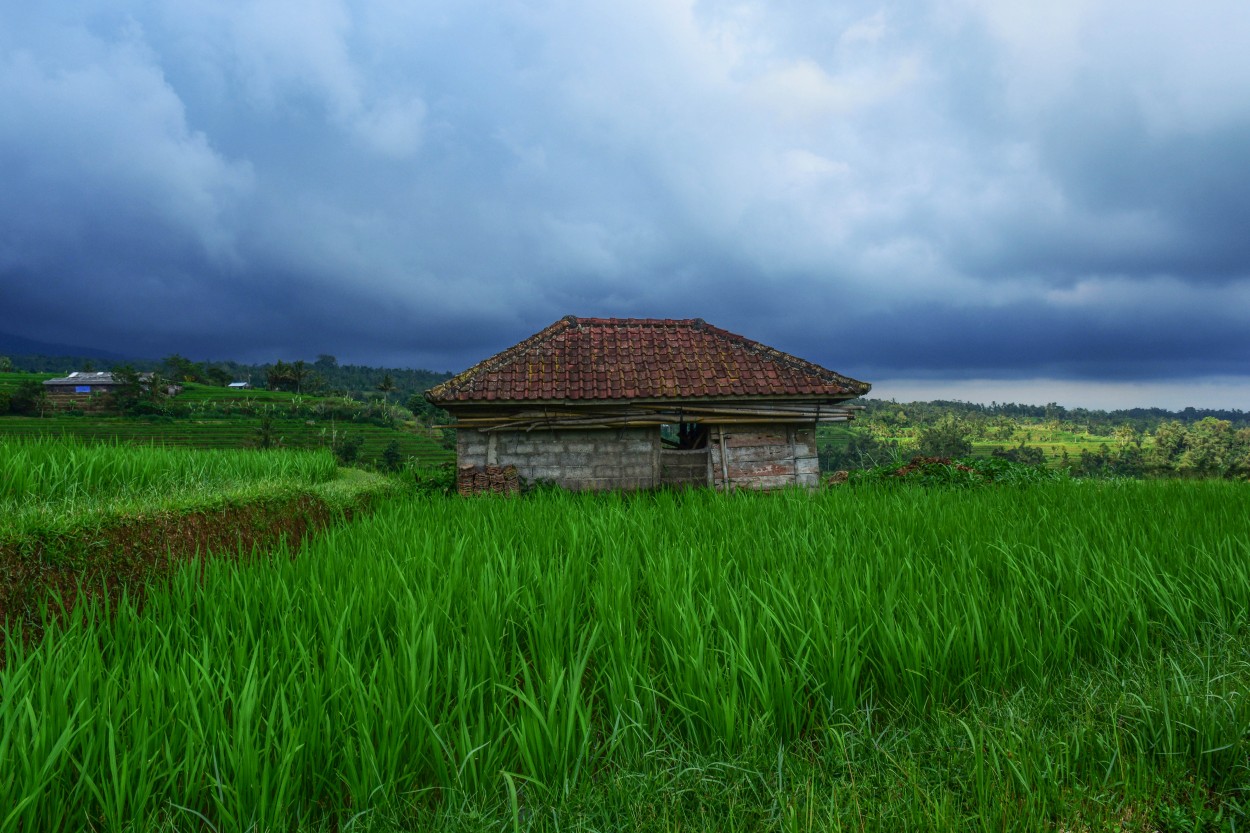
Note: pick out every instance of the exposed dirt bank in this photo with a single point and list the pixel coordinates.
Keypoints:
(50, 574)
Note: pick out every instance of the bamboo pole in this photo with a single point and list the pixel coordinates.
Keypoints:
(724, 460)
(712, 417)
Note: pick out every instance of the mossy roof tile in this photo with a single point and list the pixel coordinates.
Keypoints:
(640, 358)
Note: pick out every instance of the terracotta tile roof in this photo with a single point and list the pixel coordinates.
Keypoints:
(640, 358)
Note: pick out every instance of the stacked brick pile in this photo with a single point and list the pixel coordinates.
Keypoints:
(482, 480)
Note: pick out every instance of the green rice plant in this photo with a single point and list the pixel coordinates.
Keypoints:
(47, 479)
(238, 433)
(984, 656)
(44, 468)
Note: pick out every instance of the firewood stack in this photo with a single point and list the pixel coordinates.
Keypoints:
(484, 480)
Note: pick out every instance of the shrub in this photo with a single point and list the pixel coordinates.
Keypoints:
(861, 451)
(948, 437)
(435, 481)
(392, 457)
(346, 448)
(1029, 454)
(30, 398)
(966, 472)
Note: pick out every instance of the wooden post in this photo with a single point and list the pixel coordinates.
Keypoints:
(792, 434)
(724, 463)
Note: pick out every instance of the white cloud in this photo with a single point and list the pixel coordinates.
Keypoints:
(802, 91)
(392, 128)
(107, 135)
(868, 30)
(282, 54)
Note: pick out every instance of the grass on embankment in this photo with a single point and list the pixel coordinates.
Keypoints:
(76, 517)
(237, 432)
(1063, 656)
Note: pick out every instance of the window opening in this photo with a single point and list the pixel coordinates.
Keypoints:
(684, 436)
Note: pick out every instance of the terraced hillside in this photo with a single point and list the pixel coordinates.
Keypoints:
(236, 432)
(203, 416)
(1054, 443)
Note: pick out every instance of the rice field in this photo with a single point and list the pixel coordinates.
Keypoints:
(1054, 443)
(237, 433)
(46, 477)
(872, 658)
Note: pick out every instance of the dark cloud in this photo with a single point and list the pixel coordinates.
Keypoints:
(955, 189)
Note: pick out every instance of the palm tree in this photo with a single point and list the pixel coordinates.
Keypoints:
(299, 372)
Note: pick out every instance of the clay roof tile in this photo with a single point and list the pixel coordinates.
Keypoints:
(639, 358)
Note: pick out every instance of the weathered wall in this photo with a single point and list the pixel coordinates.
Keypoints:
(622, 458)
(764, 456)
(684, 468)
(91, 402)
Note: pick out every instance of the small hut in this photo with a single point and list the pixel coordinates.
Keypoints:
(82, 387)
(632, 403)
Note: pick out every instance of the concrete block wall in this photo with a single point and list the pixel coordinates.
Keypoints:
(764, 456)
(684, 468)
(621, 458)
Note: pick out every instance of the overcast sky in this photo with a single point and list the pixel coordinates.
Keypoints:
(949, 195)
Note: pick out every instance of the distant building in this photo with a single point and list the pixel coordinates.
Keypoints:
(82, 383)
(81, 386)
(240, 385)
(608, 403)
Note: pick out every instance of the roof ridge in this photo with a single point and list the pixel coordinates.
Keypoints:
(696, 323)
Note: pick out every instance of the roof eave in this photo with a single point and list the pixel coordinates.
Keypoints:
(663, 402)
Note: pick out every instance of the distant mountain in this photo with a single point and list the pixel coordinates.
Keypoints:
(11, 345)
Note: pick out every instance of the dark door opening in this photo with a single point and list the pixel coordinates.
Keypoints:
(684, 455)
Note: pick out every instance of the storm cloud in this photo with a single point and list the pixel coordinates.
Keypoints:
(945, 189)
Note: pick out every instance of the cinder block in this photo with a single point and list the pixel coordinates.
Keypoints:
(475, 447)
(561, 459)
(741, 471)
(753, 435)
(765, 483)
(762, 452)
(641, 470)
(808, 480)
(541, 472)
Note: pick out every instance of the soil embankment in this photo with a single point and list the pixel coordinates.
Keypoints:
(48, 575)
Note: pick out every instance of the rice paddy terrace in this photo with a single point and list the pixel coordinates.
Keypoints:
(1058, 446)
(216, 418)
(226, 433)
(87, 521)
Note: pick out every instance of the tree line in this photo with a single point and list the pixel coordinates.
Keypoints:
(322, 377)
(1170, 447)
(1088, 420)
